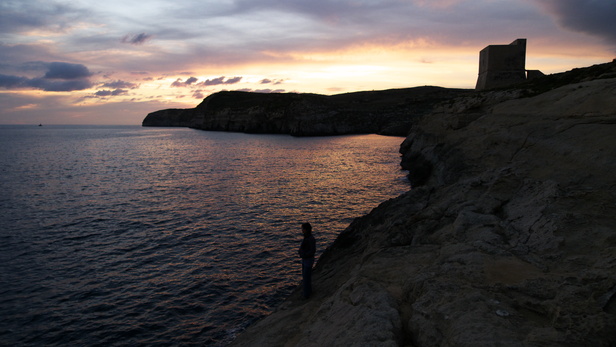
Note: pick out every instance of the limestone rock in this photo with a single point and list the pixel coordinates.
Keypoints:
(508, 240)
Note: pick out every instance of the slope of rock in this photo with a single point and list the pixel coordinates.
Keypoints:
(508, 237)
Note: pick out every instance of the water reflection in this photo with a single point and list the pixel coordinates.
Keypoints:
(144, 235)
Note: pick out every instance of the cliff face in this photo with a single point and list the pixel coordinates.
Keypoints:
(173, 117)
(507, 238)
(389, 112)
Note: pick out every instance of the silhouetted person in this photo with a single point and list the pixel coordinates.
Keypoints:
(306, 251)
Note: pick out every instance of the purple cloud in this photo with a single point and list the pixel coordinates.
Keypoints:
(120, 84)
(59, 86)
(214, 82)
(60, 77)
(268, 81)
(138, 39)
(221, 80)
(67, 71)
(187, 83)
(115, 92)
(233, 80)
(9, 82)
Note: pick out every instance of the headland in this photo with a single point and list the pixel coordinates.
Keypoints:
(385, 112)
(507, 237)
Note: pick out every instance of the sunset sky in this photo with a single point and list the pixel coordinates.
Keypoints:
(114, 61)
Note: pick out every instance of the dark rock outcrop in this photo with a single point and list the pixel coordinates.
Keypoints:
(508, 240)
(388, 112)
(173, 117)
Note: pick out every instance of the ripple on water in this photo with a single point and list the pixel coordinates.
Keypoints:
(130, 235)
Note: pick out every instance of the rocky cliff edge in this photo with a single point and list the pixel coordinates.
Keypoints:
(507, 238)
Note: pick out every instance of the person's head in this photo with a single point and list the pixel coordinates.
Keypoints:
(307, 229)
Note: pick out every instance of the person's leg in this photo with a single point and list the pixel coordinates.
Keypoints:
(307, 277)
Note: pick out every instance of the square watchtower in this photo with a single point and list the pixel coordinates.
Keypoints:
(502, 65)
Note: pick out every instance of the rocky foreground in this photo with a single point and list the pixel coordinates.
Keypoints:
(507, 238)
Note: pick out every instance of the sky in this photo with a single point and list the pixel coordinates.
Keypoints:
(115, 61)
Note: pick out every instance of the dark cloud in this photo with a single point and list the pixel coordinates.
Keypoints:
(120, 84)
(214, 82)
(191, 81)
(233, 80)
(67, 71)
(60, 77)
(221, 80)
(187, 83)
(138, 39)
(59, 86)
(16, 82)
(115, 92)
(595, 17)
(11, 82)
(268, 81)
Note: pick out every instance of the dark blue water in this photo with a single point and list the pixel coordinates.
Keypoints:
(167, 236)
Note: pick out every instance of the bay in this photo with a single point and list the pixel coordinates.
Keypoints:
(168, 236)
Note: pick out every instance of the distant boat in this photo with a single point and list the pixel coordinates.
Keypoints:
(40, 125)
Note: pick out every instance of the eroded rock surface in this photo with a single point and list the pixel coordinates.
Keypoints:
(508, 237)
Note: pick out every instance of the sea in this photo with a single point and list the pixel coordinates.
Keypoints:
(130, 235)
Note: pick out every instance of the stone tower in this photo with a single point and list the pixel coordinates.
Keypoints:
(502, 65)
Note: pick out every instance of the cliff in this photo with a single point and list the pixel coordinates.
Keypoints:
(507, 237)
(388, 112)
(173, 117)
